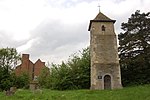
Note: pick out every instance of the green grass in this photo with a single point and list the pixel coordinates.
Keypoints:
(129, 93)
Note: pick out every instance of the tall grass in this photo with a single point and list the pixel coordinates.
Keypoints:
(129, 93)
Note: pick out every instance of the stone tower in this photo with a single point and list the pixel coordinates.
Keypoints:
(105, 68)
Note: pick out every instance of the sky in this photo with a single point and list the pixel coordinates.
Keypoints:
(52, 30)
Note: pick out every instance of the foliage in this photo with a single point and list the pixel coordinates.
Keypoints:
(128, 93)
(60, 77)
(75, 74)
(135, 49)
(22, 81)
(43, 78)
(7, 80)
(8, 59)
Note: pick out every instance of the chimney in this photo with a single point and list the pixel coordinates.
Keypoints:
(25, 57)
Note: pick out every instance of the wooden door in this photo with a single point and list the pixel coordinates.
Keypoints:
(107, 82)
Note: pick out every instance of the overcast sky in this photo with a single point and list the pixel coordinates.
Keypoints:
(52, 30)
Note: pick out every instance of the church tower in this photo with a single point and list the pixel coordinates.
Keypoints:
(105, 68)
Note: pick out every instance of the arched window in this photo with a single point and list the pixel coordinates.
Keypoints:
(103, 28)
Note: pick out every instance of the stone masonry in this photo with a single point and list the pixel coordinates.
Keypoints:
(105, 68)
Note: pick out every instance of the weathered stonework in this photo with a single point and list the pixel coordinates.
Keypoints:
(105, 68)
(34, 85)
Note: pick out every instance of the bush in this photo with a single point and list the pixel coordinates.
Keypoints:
(74, 74)
(22, 81)
(43, 78)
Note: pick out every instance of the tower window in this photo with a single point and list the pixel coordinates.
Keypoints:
(103, 28)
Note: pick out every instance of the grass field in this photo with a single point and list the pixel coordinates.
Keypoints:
(128, 93)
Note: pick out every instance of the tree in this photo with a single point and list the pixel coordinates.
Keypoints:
(22, 81)
(80, 65)
(8, 60)
(60, 77)
(74, 74)
(43, 78)
(134, 50)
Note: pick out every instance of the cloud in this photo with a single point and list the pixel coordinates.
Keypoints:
(18, 17)
(52, 30)
(55, 37)
(7, 41)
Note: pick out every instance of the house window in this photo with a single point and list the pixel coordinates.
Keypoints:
(103, 28)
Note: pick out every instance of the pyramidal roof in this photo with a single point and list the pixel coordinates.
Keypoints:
(101, 18)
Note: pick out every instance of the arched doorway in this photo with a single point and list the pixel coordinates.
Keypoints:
(107, 82)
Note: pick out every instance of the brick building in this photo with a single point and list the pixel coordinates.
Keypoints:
(27, 66)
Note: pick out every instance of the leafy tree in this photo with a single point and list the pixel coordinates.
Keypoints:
(74, 74)
(22, 81)
(60, 77)
(134, 50)
(8, 59)
(80, 66)
(6, 81)
(43, 78)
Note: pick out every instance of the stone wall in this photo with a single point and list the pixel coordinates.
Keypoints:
(104, 55)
